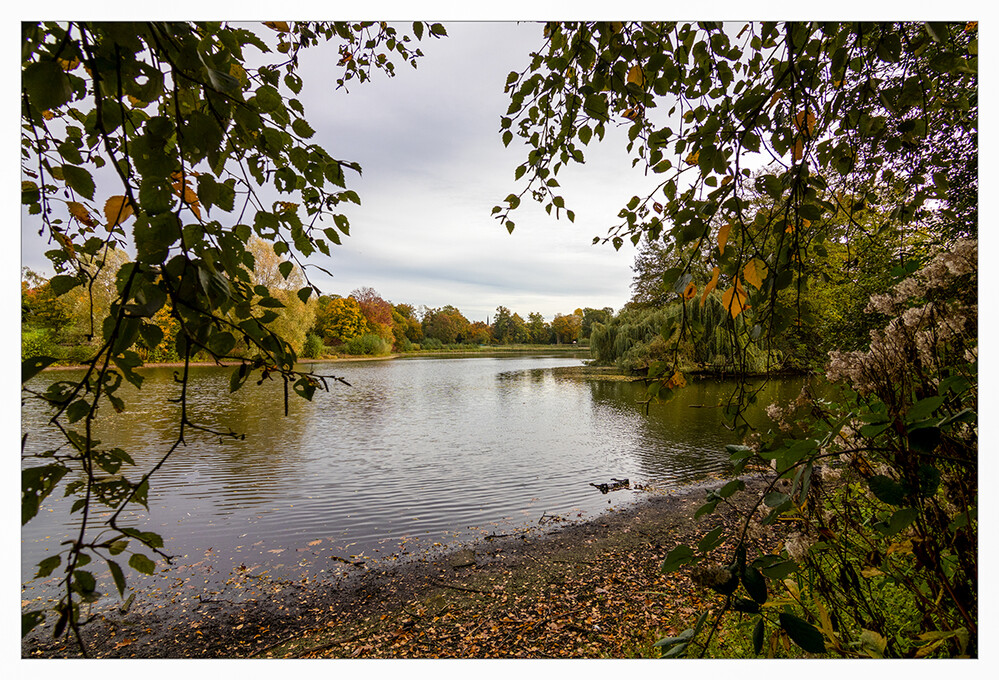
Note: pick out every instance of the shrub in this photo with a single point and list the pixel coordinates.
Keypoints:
(881, 486)
(368, 344)
(314, 346)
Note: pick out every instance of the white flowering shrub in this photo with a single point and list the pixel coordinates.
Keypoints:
(880, 486)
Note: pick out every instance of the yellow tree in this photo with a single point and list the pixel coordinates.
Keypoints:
(282, 279)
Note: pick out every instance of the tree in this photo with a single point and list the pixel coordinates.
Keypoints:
(567, 327)
(479, 333)
(447, 324)
(842, 115)
(502, 330)
(197, 142)
(538, 330)
(406, 328)
(842, 119)
(341, 320)
(591, 316)
(376, 310)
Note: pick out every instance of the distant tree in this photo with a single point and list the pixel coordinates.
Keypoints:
(479, 333)
(567, 327)
(376, 310)
(538, 330)
(282, 280)
(341, 320)
(446, 324)
(404, 317)
(502, 329)
(591, 316)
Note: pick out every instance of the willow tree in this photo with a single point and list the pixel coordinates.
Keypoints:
(775, 142)
(180, 142)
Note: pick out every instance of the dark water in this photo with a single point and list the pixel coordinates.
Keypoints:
(418, 453)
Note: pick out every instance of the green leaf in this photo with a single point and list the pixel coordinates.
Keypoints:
(758, 634)
(302, 128)
(36, 484)
(141, 563)
(118, 576)
(33, 366)
(79, 180)
(887, 490)
(802, 633)
(78, 409)
(84, 581)
(706, 509)
(29, 620)
(678, 557)
(900, 520)
(731, 487)
(46, 84)
(776, 499)
(780, 570)
(63, 283)
(755, 584)
(711, 540)
(48, 565)
(923, 408)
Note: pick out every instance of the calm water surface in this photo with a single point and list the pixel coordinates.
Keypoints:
(417, 453)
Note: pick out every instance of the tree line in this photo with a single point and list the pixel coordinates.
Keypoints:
(360, 323)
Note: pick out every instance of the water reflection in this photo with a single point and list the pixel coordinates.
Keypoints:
(428, 449)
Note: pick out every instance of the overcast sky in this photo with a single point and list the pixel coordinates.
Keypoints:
(434, 166)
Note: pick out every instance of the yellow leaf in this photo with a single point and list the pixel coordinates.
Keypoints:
(184, 190)
(777, 95)
(117, 209)
(68, 65)
(692, 158)
(66, 244)
(799, 149)
(280, 26)
(723, 237)
(48, 115)
(690, 291)
(636, 76)
(804, 123)
(632, 114)
(80, 212)
(677, 380)
(754, 272)
(657, 207)
(711, 284)
(734, 299)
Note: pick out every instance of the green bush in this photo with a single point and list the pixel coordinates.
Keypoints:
(368, 344)
(314, 346)
(37, 342)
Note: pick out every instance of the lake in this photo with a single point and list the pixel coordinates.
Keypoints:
(418, 454)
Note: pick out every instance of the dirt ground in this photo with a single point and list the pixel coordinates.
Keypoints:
(586, 590)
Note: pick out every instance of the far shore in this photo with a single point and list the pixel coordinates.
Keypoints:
(347, 358)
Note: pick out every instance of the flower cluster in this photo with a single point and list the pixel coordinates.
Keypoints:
(914, 337)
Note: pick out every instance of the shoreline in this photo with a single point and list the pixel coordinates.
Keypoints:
(484, 351)
(424, 607)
